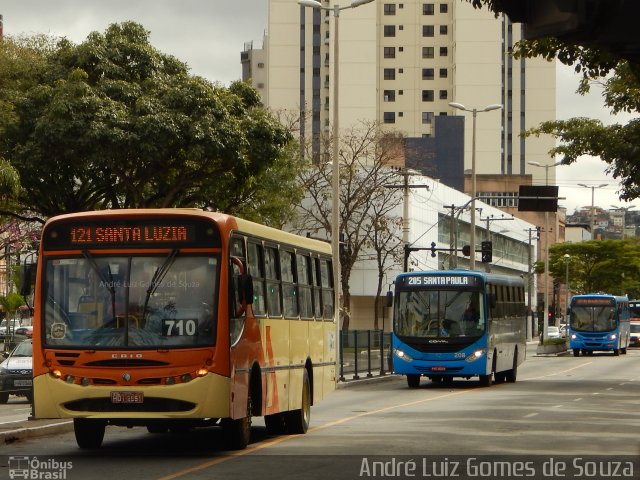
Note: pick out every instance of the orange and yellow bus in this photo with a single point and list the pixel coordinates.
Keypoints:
(178, 318)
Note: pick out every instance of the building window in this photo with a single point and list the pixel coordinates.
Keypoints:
(427, 96)
(390, 8)
(389, 52)
(389, 117)
(443, 30)
(389, 95)
(427, 117)
(443, 94)
(427, 31)
(428, 8)
(427, 74)
(389, 73)
(389, 30)
(444, 8)
(427, 52)
(444, 51)
(443, 73)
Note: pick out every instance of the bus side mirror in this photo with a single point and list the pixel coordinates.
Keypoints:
(27, 278)
(388, 301)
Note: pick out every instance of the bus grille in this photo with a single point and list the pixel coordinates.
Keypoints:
(151, 404)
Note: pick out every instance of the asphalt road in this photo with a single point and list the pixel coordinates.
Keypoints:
(560, 409)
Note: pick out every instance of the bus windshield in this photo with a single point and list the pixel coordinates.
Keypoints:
(593, 319)
(153, 301)
(439, 313)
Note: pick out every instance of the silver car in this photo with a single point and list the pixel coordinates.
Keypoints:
(16, 372)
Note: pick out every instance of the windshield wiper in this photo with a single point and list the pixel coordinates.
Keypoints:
(156, 280)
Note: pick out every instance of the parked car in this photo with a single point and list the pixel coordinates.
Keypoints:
(634, 341)
(563, 329)
(16, 372)
(553, 332)
(24, 331)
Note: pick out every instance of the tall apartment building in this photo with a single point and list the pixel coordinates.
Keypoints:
(401, 64)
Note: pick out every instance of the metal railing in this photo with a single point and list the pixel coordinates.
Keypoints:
(364, 353)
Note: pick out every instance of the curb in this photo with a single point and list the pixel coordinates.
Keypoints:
(43, 428)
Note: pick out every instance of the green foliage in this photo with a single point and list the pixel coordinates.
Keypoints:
(611, 266)
(114, 123)
(10, 303)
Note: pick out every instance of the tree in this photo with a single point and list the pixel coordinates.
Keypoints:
(611, 266)
(365, 156)
(114, 123)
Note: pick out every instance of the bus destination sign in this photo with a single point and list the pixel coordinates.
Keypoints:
(592, 302)
(440, 281)
(131, 233)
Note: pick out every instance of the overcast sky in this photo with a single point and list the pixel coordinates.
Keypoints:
(210, 34)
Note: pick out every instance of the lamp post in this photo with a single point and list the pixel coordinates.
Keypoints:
(624, 215)
(567, 259)
(545, 320)
(335, 179)
(472, 233)
(592, 211)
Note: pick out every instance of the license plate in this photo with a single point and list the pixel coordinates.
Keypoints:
(438, 369)
(22, 383)
(127, 397)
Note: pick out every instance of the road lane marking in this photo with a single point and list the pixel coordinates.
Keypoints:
(559, 372)
(529, 415)
(283, 438)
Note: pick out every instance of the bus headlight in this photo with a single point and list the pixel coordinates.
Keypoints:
(402, 355)
(573, 336)
(613, 336)
(476, 355)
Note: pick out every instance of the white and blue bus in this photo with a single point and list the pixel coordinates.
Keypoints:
(599, 322)
(458, 323)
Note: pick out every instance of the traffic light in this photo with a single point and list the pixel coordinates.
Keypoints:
(466, 250)
(487, 251)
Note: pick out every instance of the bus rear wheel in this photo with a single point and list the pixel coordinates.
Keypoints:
(297, 421)
(89, 433)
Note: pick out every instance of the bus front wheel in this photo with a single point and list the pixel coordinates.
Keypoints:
(89, 433)
(413, 381)
(576, 352)
(238, 431)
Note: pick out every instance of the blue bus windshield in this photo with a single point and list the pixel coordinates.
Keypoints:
(593, 318)
(439, 313)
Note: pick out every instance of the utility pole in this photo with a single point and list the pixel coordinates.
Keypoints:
(406, 173)
(530, 324)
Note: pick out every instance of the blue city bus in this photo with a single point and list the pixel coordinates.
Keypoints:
(599, 322)
(458, 323)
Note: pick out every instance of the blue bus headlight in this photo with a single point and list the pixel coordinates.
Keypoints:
(402, 355)
(613, 336)
(476, 355)
(573, 336)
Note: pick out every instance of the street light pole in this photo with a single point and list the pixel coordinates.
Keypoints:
(592, 211)
(567, 259)
(472, 223)
(545, 320)
(335, 179)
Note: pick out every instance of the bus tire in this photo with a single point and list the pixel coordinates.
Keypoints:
(616, 352)
(275, 423)
(4, 397)
(237, 432)
(89, 433)
(297, 421)
(485, 380)
(413, 381)
(512, 375)
(576, 352)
